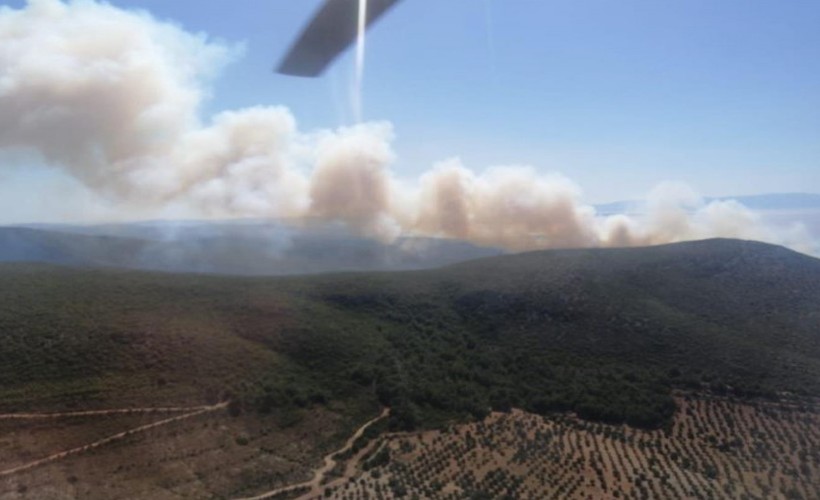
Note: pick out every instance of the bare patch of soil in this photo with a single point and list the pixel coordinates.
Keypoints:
(209, 455)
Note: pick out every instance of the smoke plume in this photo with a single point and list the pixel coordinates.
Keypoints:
(113, 97)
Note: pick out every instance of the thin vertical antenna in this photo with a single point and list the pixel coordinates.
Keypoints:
(360, 52)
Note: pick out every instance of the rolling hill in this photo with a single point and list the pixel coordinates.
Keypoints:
(605, 333)
(630, 351)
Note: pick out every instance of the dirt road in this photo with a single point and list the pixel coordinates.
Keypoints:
(199, 410)
(96, 413)
(315, 486)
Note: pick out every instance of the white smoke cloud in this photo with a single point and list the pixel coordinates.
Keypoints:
(96, 89)
(512, 207)
(351, 181)
(113, 98)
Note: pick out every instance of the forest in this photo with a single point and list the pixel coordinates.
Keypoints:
(606, 334)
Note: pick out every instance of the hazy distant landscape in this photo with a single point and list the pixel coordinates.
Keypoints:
(270, 247)
(240, 248)
(774, 202)
(782, 210)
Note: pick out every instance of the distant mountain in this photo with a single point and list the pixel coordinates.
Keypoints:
(244, 248)
(778, 201)
(786, 201)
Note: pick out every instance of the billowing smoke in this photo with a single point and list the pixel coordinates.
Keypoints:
(350, 180)
(674, 212)
(512, 207)
(113, 98)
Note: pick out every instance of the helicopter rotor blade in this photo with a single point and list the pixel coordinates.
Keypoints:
(332, 30)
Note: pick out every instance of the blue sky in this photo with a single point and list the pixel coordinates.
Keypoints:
(616, 95)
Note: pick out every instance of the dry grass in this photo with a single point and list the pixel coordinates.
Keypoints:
(208, 456)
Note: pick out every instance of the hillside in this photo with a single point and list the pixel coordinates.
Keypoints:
(606, 333)
(610, 337)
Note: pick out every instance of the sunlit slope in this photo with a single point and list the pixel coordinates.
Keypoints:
(71, 337)
(606, 333)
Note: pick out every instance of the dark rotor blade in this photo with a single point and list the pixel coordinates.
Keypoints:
(331, 31)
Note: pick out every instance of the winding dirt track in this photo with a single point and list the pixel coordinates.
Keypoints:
(197, 410)
(315, 484)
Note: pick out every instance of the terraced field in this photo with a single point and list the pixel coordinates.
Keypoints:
(714, 448)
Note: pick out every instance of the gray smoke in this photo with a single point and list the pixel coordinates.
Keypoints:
(113, 98)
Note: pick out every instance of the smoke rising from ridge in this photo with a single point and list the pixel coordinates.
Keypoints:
(113, 98)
